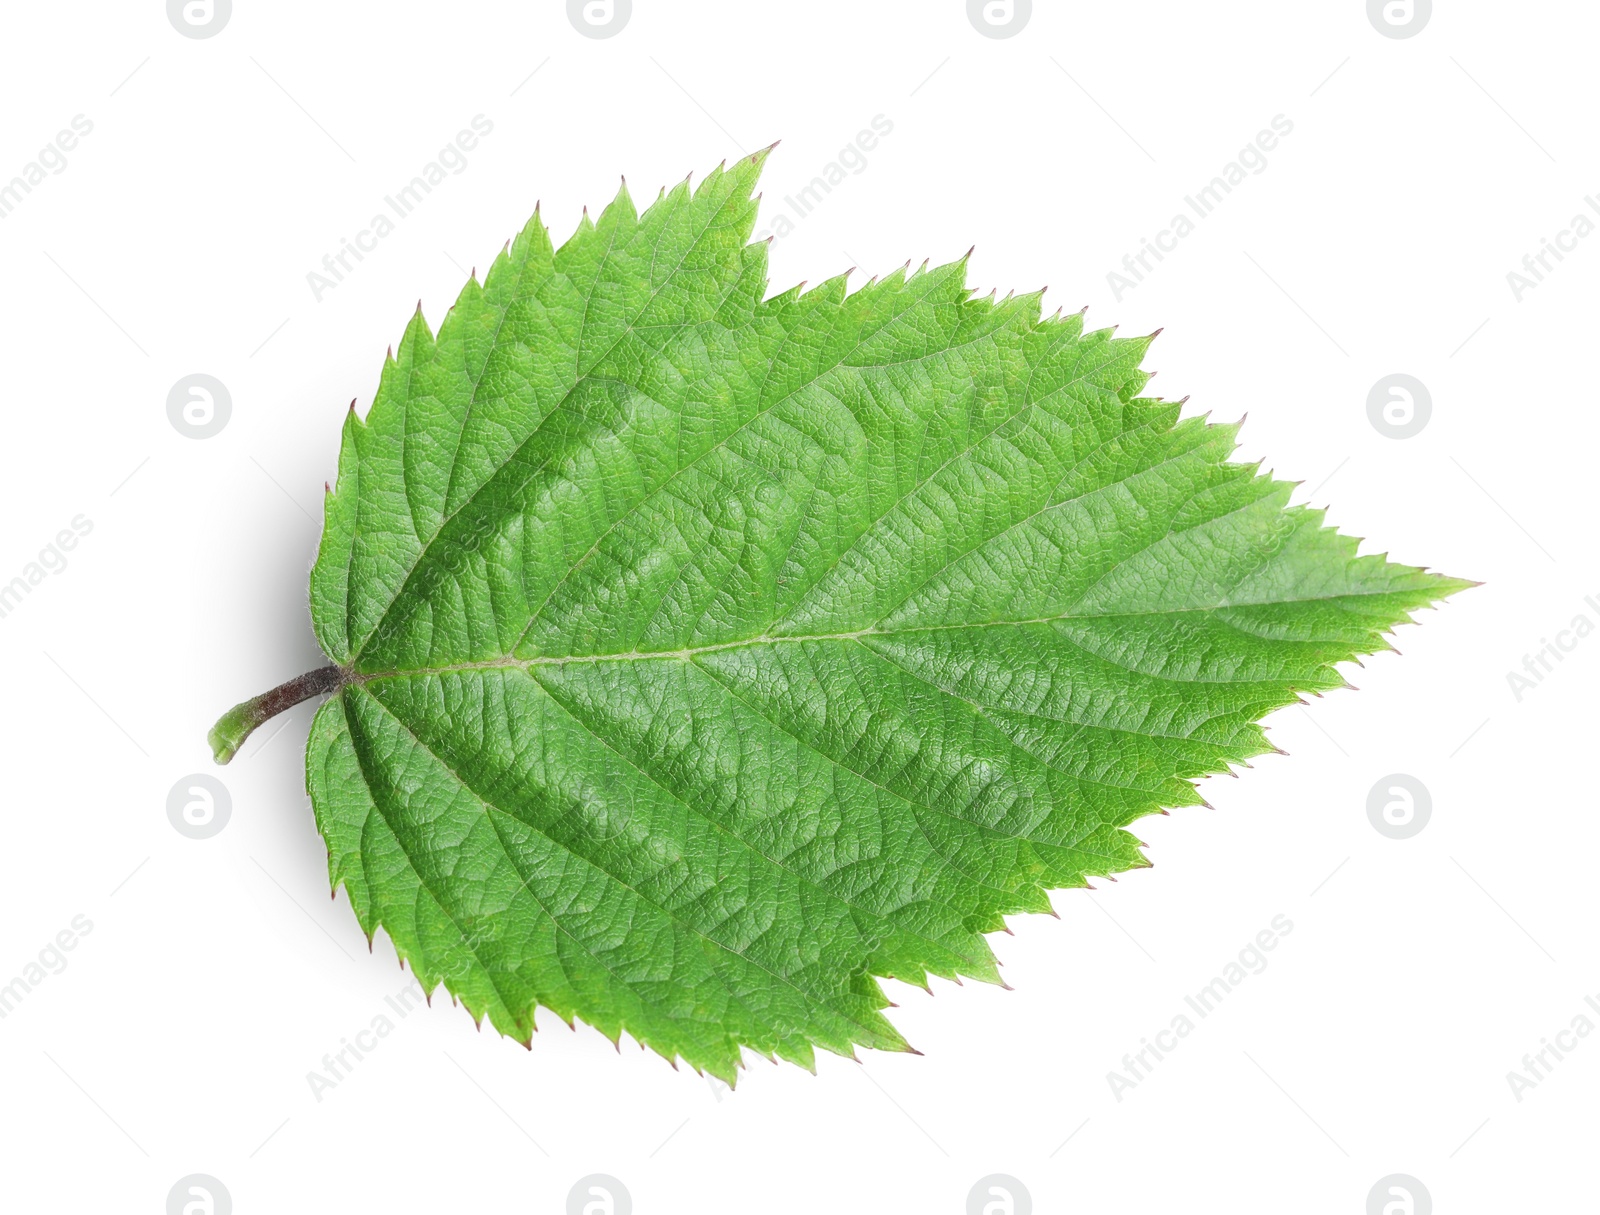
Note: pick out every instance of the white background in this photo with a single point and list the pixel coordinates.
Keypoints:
(1378, 1040)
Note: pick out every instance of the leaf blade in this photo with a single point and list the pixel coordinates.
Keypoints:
(712, 656)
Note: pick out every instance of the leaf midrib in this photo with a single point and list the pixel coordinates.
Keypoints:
(505, 661)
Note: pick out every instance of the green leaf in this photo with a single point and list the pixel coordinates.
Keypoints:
(702, 657)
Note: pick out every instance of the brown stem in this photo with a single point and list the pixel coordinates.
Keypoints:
(228, 735)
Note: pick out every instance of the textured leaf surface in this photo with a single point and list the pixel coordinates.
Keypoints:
(713, 654)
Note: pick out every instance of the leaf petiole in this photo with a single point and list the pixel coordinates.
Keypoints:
(236, 725)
